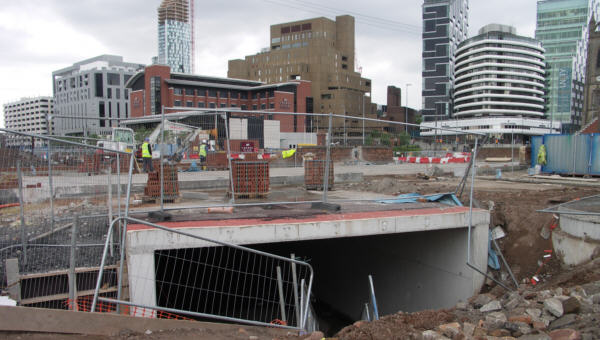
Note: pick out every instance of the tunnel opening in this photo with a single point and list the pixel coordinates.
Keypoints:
(411, 271)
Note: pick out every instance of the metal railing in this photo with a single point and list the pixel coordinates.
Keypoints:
(214, 280)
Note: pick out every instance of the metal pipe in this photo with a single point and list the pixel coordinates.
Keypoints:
(51, 191)
(512, 276)
(109, 203)
(22, 212)
(327, 160)
(373, 299)
(102, 263)
(281, 298)
(196, 314)
(471, 223)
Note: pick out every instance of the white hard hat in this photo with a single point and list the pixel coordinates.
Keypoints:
(204, 141)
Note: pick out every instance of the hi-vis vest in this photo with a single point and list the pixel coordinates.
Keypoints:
(146, 151)
(202, 150)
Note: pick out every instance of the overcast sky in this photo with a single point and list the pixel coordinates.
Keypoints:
(41, 36)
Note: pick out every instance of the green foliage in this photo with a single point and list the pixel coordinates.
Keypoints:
(407, 148)
(141, 133)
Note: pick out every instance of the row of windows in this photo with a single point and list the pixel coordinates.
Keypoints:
(222, 105)
(498, 45)
(222, 94)
(563, 13)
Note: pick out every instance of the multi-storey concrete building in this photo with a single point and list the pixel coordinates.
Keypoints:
(90, 96)
(591, 108)
(562, 28)
(30, 115)
(498, 87)
(322, 51)
(176, 35)
(445, 25)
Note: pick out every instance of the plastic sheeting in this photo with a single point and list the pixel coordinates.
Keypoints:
(447, 198)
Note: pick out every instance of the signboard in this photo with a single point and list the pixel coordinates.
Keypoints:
(247, 146)
(564, 89)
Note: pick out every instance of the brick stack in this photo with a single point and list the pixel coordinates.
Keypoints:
(250, 179)
(216, 160)
(314, 174)
(170, 184)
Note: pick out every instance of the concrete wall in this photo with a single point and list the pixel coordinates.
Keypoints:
(417, 257)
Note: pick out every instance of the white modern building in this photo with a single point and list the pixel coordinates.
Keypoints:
(499, 87)
(90, 96)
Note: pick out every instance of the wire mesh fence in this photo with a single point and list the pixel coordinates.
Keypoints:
(57, 197)
(201, 278)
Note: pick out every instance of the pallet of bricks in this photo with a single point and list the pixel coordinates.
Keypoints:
(314, 174)
(170, 184)
(250, 179)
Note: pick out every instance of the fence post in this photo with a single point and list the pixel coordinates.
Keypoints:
(50, 187)
(281, 298)
(162, 146)
(22, 212)
(72, 274)
(123, 237)
(109, 203)
(327, 159)
(229, 158)
(13, 279)
(295, 283)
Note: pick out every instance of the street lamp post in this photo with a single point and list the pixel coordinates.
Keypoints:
(406, 109)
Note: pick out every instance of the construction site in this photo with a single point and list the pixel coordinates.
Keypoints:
(273, 236)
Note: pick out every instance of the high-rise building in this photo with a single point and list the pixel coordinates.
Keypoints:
(322, 51)
(176, 35)
(31, 115)
(499, 87)
(562, 28)
(92, 95)
(445, 25)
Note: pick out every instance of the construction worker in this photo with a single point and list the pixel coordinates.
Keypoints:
(147, 156)
(202, 152)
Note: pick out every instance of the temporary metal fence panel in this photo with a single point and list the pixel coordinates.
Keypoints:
(57, 198)
(200, 278)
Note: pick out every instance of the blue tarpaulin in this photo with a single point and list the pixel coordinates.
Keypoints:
(448, 198)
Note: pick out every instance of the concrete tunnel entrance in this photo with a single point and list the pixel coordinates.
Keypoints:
(411, 272)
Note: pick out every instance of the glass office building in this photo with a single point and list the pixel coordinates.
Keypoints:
(562, 27)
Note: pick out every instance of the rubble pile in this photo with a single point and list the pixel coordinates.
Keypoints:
(559, 313)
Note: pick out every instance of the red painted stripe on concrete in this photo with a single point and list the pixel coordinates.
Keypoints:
(317, 218)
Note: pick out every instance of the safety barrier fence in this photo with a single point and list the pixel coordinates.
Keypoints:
(57, 198)
(202, 278)
(568, 154)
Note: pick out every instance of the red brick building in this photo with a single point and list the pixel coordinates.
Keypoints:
(156, 87)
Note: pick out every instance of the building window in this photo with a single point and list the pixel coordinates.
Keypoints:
(244, 107)
(108, 92)
(189, 103)
(272, 105)
(177, 91)
(223, 105)
(223, 94)
(200, 104)
(177, 103)
(212, 105)
(254, 107)
(263, 106)
(212, 93)
(189, 92)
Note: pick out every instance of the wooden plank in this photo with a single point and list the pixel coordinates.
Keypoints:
(65, 272)
(64, 296)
